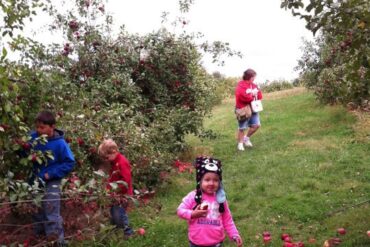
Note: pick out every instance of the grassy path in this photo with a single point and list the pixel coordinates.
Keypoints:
(307, 174)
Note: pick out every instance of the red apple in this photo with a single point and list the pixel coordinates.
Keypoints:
(287, 244)
(26, 146)
(300, 244)
(26, 243)
(266, 239)
(312, 240)
(335, 241)
(80, 141)
(284, 235)
(341, 231)
(141, 231)
(266, 234)
(34, 157)
(73, 25)
(368, 233)
(4, 126)
(288, 239)
(203, 206)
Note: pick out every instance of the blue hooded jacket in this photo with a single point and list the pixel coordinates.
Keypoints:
(63, 162)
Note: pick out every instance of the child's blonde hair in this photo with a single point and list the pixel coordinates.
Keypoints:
(107, 147)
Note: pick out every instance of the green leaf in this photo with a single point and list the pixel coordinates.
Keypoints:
(122, 182)
(113, 185)
(10, 174)
(310, 7)
(39, 160)
(13, 197)
(319, 9)
(7, 107)
(4, 53)
(100, 173)
(49, 155)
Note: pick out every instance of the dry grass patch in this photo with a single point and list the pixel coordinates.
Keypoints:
(285, 93)
(315, 145)
(362, 127)
(325, 166)
(301, 133)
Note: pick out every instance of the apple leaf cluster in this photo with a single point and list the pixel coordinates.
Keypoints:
(337, 64)
(145, 91)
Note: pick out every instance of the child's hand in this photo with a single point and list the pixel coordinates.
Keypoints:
(238, 241)
(197, 213)
(46, 176)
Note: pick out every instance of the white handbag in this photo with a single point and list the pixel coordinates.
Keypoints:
(256, 105)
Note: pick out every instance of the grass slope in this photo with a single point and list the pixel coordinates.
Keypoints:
(307, 175)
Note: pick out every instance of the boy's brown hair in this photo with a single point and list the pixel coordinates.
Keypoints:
(108, 146)
(45, 117)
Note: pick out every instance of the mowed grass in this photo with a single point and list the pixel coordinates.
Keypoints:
(307, 175)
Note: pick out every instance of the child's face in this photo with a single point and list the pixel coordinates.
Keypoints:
(45, 129)
(210, 183)
(111, 156)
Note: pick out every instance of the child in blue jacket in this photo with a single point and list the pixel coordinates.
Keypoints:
(48, 220)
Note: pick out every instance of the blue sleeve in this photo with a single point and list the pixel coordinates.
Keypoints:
(65, 162)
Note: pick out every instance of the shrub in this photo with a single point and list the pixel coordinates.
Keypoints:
(276, 86)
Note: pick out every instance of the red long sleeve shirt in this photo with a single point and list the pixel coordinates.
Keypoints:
(244, 93)
(121, 171)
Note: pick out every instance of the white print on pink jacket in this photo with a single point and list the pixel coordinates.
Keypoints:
(213, 215)
(253, 91)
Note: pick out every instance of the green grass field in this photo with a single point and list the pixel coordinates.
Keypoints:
(307, 175)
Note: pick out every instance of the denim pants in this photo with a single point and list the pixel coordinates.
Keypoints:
(194, 245)
(120, 219)
(48, 220)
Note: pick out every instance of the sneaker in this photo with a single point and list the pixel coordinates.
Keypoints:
(247, 142)
(240, 147)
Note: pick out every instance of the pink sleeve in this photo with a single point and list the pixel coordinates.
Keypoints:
(186, 207)
(229, 223)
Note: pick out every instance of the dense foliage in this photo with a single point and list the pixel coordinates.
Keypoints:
(144, 91)
(276, 85)
(337, 64)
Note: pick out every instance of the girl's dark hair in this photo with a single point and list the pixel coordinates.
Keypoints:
(248, 74)
(45, 117)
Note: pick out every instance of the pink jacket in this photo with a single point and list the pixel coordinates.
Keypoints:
(208, 230)
(244, 93)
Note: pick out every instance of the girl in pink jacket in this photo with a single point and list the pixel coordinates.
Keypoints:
(206, 208)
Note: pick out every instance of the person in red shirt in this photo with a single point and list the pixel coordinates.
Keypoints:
(245, 92)
(120, 173)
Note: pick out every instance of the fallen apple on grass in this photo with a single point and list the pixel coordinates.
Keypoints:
(141, 231)
(341, 231)
(266, 239)
(284, 235)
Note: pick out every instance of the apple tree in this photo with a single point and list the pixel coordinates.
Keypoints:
(337, 64)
